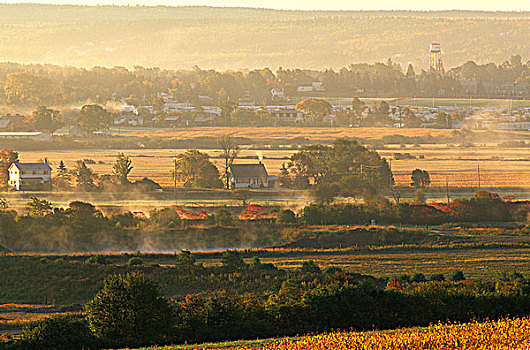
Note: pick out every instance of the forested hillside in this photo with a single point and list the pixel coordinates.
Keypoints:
(247, 38)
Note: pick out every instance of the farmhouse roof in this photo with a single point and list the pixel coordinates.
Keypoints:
(32, 166)
(248, 170)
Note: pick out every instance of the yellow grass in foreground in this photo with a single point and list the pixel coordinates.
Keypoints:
(504, 334)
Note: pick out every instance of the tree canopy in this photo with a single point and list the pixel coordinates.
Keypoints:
(122, 167)
(345, 168)
(94, 117)
(195, 169)
(46, 119)
(316, 108)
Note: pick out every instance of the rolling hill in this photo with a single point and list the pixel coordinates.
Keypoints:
(233, 38)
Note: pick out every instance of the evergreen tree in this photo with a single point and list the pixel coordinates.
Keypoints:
(63, 178)
(122, 168)
(84, 177)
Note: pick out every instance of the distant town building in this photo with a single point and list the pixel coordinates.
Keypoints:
(278, 92)
(513, 126)
(30, 177)
(35, 135)
(315, 86)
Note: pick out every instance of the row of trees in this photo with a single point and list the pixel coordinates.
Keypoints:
(130, 310)
(482, 207)
(35, 84)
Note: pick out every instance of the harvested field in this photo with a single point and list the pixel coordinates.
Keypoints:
(285, 133)
(499, 168)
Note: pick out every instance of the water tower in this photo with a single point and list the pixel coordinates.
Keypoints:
(435, 58)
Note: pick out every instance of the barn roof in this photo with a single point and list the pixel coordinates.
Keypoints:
(248, 170)
(32, 166)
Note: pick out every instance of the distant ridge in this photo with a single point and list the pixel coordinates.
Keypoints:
(239, 37)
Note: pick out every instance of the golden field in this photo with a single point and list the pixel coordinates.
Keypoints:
(284, 133)
(288, 133)
(499, 168)
(506, 334)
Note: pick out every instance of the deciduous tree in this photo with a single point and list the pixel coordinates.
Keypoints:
(130, 310)
(94, 117)
(195, 169)
(46, 119)
(229, 152)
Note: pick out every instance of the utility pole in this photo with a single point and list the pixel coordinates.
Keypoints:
(391, 175)
(447, 190)
(478, 174)
(175, 177)
(361, 172)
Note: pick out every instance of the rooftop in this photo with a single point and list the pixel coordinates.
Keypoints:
(248, 170)
(32, 166)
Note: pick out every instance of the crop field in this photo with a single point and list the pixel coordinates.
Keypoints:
(506, 334)
(499, 167)
(287, 134)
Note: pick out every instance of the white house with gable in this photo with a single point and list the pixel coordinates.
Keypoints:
(30, 177)
(251, 176)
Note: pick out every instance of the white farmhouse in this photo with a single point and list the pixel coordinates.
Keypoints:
(251, 176)
(30, 177)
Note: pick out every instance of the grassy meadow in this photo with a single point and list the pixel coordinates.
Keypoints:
(68, 279)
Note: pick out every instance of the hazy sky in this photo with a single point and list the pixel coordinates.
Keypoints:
(315, 4)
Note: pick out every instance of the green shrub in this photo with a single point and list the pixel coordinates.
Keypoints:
(232, 260)
(457, 276)
(223, 217)
(58, 333)
(165, 217)
(418, 277)
(97, 259)
(310, 267)
(438, 277)
(286, 216)
(130, 310)
(135, 261)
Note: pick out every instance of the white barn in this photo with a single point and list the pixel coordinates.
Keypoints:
(30, 177)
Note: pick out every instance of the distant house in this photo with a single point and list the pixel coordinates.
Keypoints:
(513, 126)
(315, 86)
(5, 124)
(30, 177)
(278, 92)
(16, 122)
(251, 176)
(289, 115)
(71, 130)
(129, 119)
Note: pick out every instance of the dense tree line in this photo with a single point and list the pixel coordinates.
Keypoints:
(33, 85)
(131, 311)
(482, 207)
(82, 227)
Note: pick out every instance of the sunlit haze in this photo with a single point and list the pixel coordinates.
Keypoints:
(517, 5)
